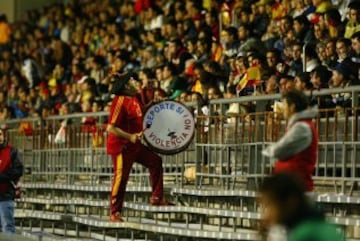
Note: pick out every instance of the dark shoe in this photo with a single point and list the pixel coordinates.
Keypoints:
(116, 218)
(160, 202)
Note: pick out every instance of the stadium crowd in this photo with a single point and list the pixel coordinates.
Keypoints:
(60, 59)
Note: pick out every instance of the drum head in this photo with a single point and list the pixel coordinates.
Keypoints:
(169, 127)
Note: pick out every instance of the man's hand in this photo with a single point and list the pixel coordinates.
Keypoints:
(135, 137)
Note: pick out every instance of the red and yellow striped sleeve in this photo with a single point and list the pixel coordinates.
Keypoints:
(116, 109)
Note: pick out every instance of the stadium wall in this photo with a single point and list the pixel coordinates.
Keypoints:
(14, 9)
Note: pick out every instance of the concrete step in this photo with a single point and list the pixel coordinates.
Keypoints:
(56, 234)
(206, 212)
(193, 230)
(318, 197)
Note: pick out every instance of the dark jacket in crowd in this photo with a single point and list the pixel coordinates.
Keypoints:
(11, 169)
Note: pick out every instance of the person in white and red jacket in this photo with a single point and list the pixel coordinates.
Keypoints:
(11, 169)
(296, 152)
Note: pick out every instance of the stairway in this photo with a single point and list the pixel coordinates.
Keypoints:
(82, 212)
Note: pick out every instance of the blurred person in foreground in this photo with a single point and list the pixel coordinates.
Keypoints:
(125, 147)
(11, 169)
(296, 151)
(288, 214)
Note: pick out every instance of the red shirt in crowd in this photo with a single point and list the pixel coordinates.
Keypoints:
(126, 114)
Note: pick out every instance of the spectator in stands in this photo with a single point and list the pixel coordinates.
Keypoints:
(61, 51)
(121, 62)
(286, 82)
(341, 75)
(97, 69)
(184, 97)
(296, 151)
(261, 19)
(57, 97)
(22, 106)
(178, 54)
(320, 33)
(204, 80)
(296, 65)
(5, 32)
(211, 22)
(88, 88)
(333, 21)
(298, 8)
(11, 169)
(172, 84)
(301, 28)
(320, 77)
(203, 50)
(311, 60)
(77, 72)
(272, 59)
(247, 42)
(330, 51)
(272, 86)
(154, 18)
(149, 58)
(110, 42)
(124, 145)
(32, 71)
(147, 88)
(355, 44)
(190, 44)
(322, 5)
(353, 24)
(239, 69)
(6, 113)
(219, 74)
(302, 82)
(231, 41)
(288, 214)
(285, 25)
(270, 36)
(214, 93)
(321, 52)
(343, 50)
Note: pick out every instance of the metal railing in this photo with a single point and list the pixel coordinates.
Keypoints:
(224, 154)
(214, 176)
(229, 155)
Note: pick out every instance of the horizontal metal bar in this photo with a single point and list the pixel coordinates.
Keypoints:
(214, 193)
(57, 231)
(183, 231)
(321, 92)
(325, 198)
(147, 207)
(345, 221)
(278, 96)
(85, 188)
(21, 213)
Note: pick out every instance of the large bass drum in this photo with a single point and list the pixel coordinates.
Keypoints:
(169, 127)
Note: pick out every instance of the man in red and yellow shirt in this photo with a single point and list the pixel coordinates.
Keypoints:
(124, 145)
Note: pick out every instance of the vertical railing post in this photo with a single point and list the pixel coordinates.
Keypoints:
(304, 56)
(197, 147)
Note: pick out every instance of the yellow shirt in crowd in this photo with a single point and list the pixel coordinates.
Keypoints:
(4, 33)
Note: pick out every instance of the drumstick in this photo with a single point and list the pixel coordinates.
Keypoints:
(148, 126)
